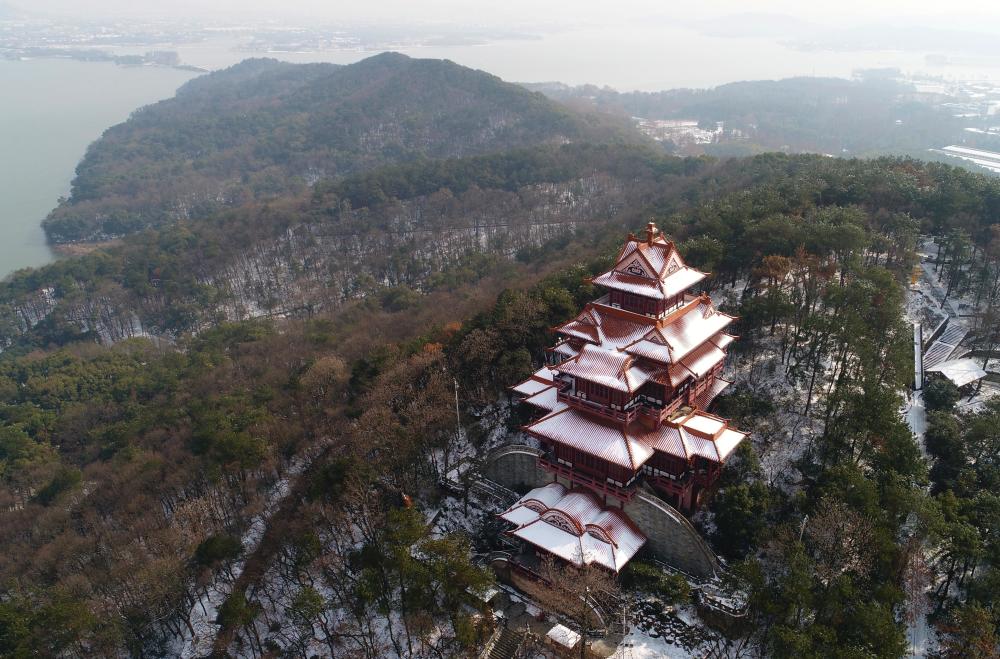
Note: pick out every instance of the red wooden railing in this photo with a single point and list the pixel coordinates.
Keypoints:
(619, 416)
(599, 485)
(623, 416)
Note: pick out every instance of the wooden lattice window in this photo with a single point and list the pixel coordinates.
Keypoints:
(600, 534)
(561, 521)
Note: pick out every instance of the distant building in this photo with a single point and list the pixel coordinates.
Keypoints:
(624, 401)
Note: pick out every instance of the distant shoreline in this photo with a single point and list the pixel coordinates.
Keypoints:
(53, 109)
(81, 248)
(159, 59)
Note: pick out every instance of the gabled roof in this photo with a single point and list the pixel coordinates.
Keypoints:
(575, 527)
(703, 359)
(564, 350)
(606, 326)
(657, 289)
(654, 348)
(696, 434)
(696, 364)
(671, 338)
(585, 326)
(610, 368)
(691, 326)
(652, 268)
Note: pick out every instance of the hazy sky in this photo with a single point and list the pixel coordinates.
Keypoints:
(984, 14)
(628, 44)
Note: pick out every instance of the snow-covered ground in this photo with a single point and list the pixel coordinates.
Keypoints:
(639, 645)
(916, 418)
(780, 438)
(920, 638)
(204, 612)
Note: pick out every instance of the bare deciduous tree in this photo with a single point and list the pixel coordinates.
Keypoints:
(840, 539)
(580, 593)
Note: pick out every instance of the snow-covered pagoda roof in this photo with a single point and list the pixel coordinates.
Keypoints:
(546, 399)
(564, 350)
(702, 359)
(666, 340)
(692, 434)
(695, 434)
(575, 527)
(604, 440)
(540, 380)
(607, 326)
(658, 289)
(705, 398)
(652, 268)
(688, 328)
(610, 368)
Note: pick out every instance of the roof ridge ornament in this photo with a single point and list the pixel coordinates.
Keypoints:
(651, 232)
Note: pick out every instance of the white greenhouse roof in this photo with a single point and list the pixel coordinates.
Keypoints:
(960, 371)
(564, 636)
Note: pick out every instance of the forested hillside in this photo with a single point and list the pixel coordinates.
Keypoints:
(239, 488)
(235, 430)
(384, 235)
(264, 128)
(406, 229)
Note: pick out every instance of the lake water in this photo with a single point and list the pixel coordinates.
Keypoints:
(50, 111)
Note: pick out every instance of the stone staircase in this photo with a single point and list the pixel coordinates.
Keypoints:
(507, 644)
(504, 643)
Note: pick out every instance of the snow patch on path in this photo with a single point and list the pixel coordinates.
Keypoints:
(639, 645)
(204, 612)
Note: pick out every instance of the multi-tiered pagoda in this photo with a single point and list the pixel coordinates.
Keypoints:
(625, 396)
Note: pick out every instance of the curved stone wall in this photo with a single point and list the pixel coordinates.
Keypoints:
(516, 468)
(672, 538)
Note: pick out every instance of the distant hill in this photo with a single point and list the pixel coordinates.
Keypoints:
(873, 115)
(264, 128)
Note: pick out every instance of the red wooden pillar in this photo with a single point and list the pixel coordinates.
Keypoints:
(686, 497)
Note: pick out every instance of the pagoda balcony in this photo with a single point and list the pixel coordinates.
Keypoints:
(624, 492)
(660, 413)
(607, 411)
(679, 484)
(625, 415)
(706, 477)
